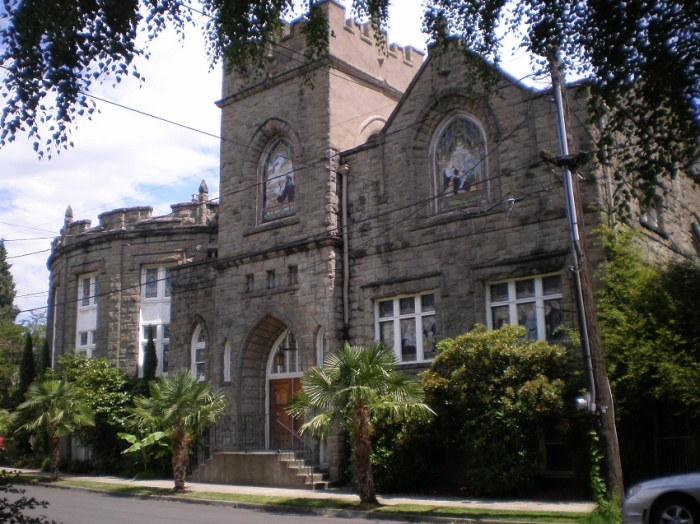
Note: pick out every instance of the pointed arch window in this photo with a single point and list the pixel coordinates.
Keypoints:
(459, 164)
(286, 357)
(227, 361)
(199, 353)
(277, 181)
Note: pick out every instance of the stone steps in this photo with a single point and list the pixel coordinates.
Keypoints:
(312, 477)
(264, 468)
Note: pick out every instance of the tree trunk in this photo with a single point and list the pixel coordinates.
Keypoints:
(363, 453)
(54, 453)
(180, 442)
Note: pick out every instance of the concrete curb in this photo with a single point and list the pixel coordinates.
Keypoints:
(294, 510)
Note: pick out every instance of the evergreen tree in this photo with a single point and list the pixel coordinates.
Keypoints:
(27, 371)
(150, 360)
(26, 378)
(44, 358)
(8, 311)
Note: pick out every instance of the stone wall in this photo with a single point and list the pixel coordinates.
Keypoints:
(117, 250)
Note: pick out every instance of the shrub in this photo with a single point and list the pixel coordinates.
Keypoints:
(493, 392)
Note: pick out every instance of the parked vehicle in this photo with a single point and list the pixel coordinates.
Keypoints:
(666, 500)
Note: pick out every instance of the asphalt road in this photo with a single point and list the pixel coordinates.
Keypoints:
(70, 506)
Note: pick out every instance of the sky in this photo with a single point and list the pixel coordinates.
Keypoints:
(152, 146)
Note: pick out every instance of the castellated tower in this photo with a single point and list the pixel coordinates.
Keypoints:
(368, 196)
(278, 275)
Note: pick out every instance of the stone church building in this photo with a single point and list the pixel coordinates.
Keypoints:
(382, 202)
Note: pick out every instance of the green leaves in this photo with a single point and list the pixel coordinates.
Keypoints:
(54, 52)
(179, 409)
(650, 329)
(139, 444)
(354, 386)
(353, 376)
(56, 406)
(493, 392)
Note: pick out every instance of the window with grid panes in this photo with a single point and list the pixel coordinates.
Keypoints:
(533, 302)
(156, 286)
(199, 353)
(86, 315)
(161, 340)
(86, 342)
(408, 325)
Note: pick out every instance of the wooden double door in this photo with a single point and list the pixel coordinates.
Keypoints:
(284, 429)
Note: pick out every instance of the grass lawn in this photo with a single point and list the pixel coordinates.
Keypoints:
(415, 510)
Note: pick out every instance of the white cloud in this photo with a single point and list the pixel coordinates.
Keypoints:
(123, 158)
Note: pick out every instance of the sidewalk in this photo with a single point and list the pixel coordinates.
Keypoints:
(342, 494)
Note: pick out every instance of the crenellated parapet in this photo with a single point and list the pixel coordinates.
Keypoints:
(200, 211)
(351, 45)
(354, 43)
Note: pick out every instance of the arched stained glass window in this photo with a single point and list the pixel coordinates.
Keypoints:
(459, 164)
(199, 353)
(277, 181)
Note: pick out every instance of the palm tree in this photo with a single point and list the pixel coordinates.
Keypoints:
(353, 385)
(5, 421)
(58, 408)
(183, 408)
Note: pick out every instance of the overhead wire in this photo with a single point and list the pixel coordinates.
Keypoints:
(309, 165)
(428, 117)
(419, 205)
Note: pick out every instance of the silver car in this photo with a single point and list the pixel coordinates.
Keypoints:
(667, 500)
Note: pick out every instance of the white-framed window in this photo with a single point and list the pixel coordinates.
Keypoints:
(533, 302)
(155, 312)
(161, 341)
(88, 291)
(156, 282)
(86, 342)
(199, 353)
(86, 321)
(407, 323)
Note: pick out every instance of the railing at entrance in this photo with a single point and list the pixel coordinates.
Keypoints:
(230, 433)
(243, 433)
(303, 452)
(239, 433)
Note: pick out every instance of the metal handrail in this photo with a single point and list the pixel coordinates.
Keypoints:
(306, 449)
(239, 433)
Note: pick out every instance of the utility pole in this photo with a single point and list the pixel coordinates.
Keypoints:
(599, 401)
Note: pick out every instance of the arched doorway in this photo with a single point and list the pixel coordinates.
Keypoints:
(284, 372)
